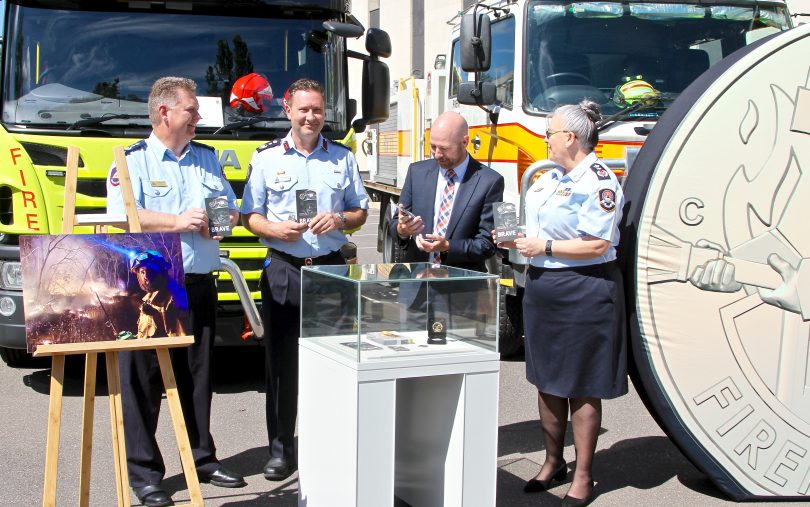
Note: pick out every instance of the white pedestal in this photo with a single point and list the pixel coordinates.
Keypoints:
(424, 430)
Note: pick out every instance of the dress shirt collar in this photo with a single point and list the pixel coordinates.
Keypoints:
(576, 173)
(289, 143)
(161, 151)
(460, 170)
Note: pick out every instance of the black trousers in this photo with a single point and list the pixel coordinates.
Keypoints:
(142, 390)
(281, 313)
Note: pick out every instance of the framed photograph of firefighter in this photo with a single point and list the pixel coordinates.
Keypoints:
(82, 288)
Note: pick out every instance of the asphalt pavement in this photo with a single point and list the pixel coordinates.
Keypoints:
(636, 464)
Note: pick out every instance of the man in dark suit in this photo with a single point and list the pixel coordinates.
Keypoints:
(451, 198)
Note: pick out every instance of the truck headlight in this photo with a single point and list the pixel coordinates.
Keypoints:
(10, 275)
(7, 306)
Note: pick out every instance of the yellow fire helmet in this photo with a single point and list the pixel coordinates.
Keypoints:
(635, 91)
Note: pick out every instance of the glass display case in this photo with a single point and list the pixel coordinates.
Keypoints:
(376, 312)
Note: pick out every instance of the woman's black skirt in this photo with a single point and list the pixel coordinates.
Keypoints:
(575, 331)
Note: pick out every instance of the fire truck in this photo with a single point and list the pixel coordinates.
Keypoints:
(511, 62)
(78, 73)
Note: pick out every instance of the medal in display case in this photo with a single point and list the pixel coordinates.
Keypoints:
(398, 385)
(399, 312)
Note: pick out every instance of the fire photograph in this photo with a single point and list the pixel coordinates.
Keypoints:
(95, 287)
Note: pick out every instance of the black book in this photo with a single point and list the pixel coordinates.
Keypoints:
(506, 221)
(306, 205)
(219, 216)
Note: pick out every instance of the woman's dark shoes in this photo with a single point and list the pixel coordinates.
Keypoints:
(570, 501)
(537, 485)
(153, 495)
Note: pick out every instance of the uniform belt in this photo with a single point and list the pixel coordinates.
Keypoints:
(330, 258)
(198, 277)
(587, 269)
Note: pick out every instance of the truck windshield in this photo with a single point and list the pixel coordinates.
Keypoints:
(589, 49)
(64, 66)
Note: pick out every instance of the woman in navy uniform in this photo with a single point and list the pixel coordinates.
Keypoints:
(573, 303)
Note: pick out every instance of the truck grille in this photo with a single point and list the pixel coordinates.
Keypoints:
(92, 188)
(45, 154)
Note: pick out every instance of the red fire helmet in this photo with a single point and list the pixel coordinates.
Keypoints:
(250, 91)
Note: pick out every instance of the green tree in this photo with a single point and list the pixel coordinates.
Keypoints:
(228, 66)
(107, 89)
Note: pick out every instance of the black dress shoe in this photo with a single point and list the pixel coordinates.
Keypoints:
(153, 495)
(278, 469)
(537, 485)
(223, 478)
(570, 501)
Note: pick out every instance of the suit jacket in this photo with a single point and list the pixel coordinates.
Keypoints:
(470, 228)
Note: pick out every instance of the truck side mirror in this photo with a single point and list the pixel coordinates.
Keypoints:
(376, 91)
(359, 126)
(476, 93)
(476, 43)
(343, 29)
(378, 43)
(351, 112)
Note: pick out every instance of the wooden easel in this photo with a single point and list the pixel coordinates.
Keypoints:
(111, 350)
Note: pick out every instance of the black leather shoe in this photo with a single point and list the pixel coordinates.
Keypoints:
(570, 501)
(223, 478)
(153, 495)
(536, 485)
(278, 469)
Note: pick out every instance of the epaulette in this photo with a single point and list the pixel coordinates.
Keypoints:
(268, 145)
(601, 172)
(339, 145)
(140, 145)
(203, 145)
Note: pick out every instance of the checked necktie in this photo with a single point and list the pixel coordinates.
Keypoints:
(445, 207)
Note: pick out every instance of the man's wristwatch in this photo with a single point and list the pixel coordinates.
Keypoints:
(548, 248)
(342, 218)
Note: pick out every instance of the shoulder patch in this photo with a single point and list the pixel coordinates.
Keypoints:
(203, 145)
(140, 145)
(600, 171)
(268, 145)
(607, 200)
(339, 145)
(114, 179)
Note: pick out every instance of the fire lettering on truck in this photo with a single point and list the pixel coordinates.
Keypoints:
(28, 197)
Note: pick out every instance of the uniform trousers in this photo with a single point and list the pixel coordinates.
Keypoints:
(142, 390)
(281, 312)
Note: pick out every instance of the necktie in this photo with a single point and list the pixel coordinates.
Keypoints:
(445, 207)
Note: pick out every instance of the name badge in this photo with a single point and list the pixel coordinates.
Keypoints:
(282, 179)
(159, 184)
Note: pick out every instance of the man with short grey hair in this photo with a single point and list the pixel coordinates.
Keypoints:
(171, 178)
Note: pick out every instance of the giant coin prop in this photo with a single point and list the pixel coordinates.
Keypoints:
(717, 242)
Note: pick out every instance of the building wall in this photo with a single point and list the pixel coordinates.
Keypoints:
(397, 17)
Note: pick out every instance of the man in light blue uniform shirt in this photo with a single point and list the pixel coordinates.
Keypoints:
(281, 171)
(171, 177)
(562, 206)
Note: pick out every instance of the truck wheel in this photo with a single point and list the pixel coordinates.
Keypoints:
(511, 326)
(14, 357)
(392, 252)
